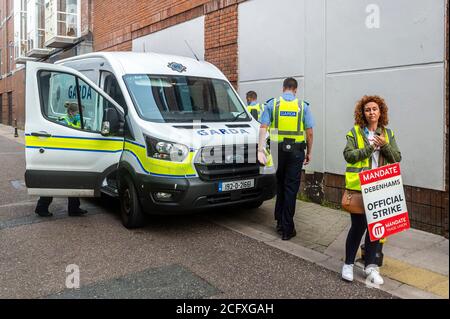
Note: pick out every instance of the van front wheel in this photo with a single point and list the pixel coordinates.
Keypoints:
(130, 208)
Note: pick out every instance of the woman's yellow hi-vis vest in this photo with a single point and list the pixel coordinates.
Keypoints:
(353, 170)
(287, 121)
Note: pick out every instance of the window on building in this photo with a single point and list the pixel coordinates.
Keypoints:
(61, 95)
(20, 28)
(67, 17)
(36, 24)
(40, 25)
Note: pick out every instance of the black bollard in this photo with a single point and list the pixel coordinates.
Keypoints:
(16, 134)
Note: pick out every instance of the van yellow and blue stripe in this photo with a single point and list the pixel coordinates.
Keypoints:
(151, 166)
(157, 167)
(72, 143)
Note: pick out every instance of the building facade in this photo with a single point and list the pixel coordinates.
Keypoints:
(37, 30)
(338, 50)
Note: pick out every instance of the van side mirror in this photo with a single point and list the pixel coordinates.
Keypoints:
(112, 123)
(254, 113)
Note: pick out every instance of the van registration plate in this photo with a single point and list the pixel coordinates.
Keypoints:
(236, 185)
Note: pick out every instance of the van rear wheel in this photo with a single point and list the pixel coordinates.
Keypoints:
(130, 209)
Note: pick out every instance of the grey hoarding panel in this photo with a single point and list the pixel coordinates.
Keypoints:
(315, 77)
(268, 89)
(271, 39)
(172, 40)
(415, 97)
(410, 32)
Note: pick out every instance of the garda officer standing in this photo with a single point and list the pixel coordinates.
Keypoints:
(253, 107)
(291, 127)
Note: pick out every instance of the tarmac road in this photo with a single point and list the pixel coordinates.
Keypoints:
(172, 257)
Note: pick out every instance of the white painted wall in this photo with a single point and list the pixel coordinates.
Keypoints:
(172, 40)
(326, 44)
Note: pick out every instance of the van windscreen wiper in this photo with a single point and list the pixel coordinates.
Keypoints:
(238, 116)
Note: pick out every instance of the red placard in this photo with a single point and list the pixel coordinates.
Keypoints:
(390, 226)
(384, 201)
(377, 174)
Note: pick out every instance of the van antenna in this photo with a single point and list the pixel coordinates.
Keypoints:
(192, 50)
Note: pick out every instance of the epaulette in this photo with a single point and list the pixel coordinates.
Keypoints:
(269, 100)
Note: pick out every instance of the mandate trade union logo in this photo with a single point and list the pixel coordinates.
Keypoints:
(178, 67)
(378, 230)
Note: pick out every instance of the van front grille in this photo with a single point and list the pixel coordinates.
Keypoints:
(227, 162)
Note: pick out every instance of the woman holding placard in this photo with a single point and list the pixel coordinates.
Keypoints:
(370, 144)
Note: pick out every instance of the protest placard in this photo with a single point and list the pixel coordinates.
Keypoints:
(384, 201)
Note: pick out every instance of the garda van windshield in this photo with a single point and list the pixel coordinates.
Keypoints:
(167, 98)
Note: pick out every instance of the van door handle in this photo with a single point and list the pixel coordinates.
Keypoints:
(41, 134)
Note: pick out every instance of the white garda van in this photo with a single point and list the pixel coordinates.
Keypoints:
(163, 133)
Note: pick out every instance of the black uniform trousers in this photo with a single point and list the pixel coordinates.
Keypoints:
(44, 202)
(288, 174)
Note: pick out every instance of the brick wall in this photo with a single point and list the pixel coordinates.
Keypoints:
(117, 23)
(221, 29)
(139, 18)
(15, 84)
(12, 81)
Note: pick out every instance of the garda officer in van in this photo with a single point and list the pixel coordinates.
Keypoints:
(291, 127)
(72, 117)
(253, 107)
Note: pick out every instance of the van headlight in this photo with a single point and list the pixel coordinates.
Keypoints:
(165, 150)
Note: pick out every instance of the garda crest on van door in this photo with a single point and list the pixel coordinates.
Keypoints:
(178, 67)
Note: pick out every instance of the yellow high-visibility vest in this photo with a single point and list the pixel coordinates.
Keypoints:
(287, 120)
(352, 172)
(259, 109)
(69, 122)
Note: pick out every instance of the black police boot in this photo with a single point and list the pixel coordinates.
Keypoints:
(77, 212)
(42, 207)
(43, 213)
(287, 236)
(279, 228)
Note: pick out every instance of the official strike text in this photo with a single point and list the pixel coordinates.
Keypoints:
(386, 206)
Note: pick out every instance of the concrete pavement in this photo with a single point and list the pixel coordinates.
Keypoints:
(415, 262)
